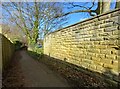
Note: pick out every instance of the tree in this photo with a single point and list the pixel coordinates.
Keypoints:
(34, 18)
(102, 7)
(117, 4)
(12, 32)
(39, 18)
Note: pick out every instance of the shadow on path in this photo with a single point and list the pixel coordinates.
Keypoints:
(12, 76)
(38, 75)
(76, 75)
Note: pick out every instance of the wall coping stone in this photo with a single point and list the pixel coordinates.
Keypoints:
(118, 9)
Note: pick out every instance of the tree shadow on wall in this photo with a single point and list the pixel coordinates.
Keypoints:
(77, 76)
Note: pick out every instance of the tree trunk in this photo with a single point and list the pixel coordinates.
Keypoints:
(103, 6)
(106, 6)
(31, 44)
(117, 4)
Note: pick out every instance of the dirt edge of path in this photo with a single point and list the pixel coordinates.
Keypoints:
(12, 76)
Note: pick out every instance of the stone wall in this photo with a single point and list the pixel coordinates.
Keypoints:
(92, 44)
(7, 50)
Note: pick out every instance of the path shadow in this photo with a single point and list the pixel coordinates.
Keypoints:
(63, 64)
(20, 46)
(11, 75)
(110, 75)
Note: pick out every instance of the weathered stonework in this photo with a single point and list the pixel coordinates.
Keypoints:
(92, 44)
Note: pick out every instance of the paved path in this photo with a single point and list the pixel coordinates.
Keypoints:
(39, 75)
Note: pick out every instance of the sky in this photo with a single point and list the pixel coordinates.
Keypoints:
(77, 17)
(72, 18)
(51, 0)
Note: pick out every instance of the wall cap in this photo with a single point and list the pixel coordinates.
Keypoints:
(115, 10)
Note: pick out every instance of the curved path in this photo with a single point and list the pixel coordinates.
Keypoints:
(39, 75)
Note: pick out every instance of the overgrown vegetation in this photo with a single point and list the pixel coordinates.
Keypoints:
(17, 44)
(37, 53)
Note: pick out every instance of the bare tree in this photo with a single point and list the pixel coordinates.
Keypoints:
(117, 4)
(102, 7)
(39, 18)
(12, 32)
(34, 18)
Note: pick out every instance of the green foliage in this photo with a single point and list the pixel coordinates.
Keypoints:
(17, 44)
(36, 53)
(38, 50)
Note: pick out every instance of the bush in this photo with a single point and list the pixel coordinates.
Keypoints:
(18, 45)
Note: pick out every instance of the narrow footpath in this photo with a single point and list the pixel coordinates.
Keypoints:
(37, 74)
(24, 71)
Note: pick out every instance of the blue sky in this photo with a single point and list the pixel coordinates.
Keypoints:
(77, 17)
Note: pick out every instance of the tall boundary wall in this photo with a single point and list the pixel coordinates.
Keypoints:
(7, 50)
(92, 44)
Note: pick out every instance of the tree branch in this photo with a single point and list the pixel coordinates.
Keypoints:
(76, 11)
(78, 6)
